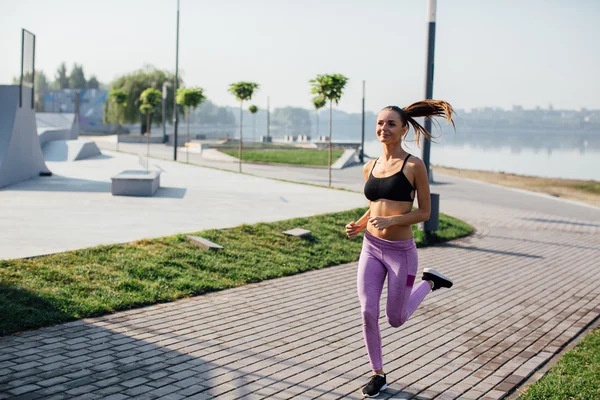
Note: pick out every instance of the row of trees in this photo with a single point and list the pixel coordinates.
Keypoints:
(325, 87)
(127, 109)
(328, 87)
(63, 79)
(73, 80)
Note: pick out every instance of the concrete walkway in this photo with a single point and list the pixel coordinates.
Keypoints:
(74, 208)
(525, 285)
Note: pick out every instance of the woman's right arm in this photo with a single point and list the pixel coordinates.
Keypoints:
(353, 228)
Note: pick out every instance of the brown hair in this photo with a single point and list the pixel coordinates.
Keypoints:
(427, 109)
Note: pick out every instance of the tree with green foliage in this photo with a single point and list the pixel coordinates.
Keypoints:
(149, 99)
(318, 102)
(77, 77)
(93, 83)
(135, 83)
(242, 91)
(61, 79)
(190, 99)
(330, 87)
(253, 110)
(119, 98)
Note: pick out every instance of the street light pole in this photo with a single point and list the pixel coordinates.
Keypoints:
(362, 135)
(164, 109)
(429, 80)
(432, 224)
(268, 120)
(175, 87)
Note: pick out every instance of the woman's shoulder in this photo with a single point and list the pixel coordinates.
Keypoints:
(368, 167)
(414, 160)
(369, 164)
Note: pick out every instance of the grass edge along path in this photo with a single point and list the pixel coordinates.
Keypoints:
(307, 157)
(576, 376)
(47, 290)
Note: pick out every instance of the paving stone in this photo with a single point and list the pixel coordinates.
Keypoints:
(23, 389)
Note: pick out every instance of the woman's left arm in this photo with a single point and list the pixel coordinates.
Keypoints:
(415, 216)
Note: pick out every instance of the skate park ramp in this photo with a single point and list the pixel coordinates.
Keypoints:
(70, 150)
(56, 126)
(21, 155)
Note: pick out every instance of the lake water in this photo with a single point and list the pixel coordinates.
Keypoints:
(556, 154)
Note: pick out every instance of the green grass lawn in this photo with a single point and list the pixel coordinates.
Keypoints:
(47, 290)
(296, 156)
(575, 377)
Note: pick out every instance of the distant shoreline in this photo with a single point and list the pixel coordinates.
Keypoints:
(586, 191)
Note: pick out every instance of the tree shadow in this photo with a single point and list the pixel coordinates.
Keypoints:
(170, 192)
(544, 242)
(558, 221)
(472, 248)
(435, 183)
(112, 355)
(23, 309)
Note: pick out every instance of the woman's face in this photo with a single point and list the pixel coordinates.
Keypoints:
(389, 127)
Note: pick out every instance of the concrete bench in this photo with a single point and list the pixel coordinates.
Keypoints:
(299, 232)
(135, 183)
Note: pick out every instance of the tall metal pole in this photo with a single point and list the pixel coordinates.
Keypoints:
(317, 112)
(33, 75)
(240, 143)
(429, 80)
(164, 109)
(362, 135)
(175, 88)
(268, 119)
(330, 132)
(22, 67)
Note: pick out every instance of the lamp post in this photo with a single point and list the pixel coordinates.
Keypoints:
(362, 134)
(164, 109)
(175, 88)
(268, 121)
(429, 80)
(431, 224)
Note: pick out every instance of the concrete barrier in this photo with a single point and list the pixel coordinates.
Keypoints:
(21, 155)
(70, 150)
(135, 183)
(348, 157)
(56, 126)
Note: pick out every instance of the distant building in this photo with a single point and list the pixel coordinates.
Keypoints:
(91, 108)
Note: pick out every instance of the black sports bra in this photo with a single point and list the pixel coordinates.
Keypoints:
(395, 187)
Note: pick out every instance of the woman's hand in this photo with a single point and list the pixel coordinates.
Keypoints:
(381, 223)
(352, 229)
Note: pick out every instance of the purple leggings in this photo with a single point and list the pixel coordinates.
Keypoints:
(398, 260)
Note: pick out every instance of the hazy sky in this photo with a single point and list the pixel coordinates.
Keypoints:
(488, 52)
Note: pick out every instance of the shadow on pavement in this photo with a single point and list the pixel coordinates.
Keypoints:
(558, 221)
(471, 248)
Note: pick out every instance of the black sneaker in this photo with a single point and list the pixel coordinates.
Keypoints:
(375, 385)
(439, 280)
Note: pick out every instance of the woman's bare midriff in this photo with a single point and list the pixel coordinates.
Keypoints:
(390, 208)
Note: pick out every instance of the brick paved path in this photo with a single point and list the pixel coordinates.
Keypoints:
(525, 285)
